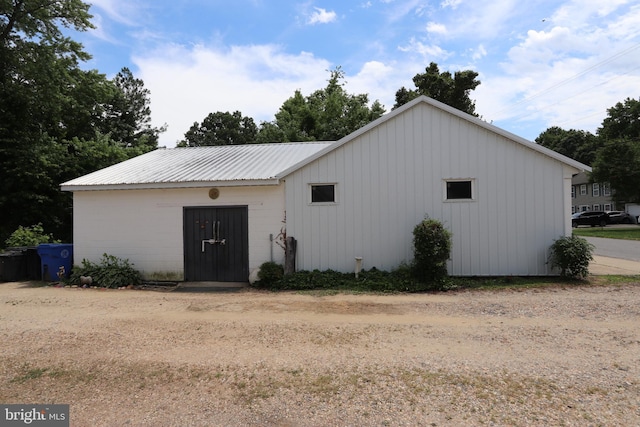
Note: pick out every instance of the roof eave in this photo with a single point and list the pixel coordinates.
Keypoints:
(170, 185)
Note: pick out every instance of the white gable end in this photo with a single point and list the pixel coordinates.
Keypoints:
(391, 175)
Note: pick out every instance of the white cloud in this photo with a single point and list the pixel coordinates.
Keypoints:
(401, 9)
(478, 53)
(188, 83)
(480, 20)
(124, 12)
(378, 80)
(576, 13)
(453, 4)
(528, 67)
(569, 74)
(321, 16)
(434, 27)
(99, 31)
(428, 52)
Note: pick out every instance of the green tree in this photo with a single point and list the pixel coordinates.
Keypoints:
(618, 161)
(327, 114)
(453, 90)
(85, 101)
(221, 129)
(576, 144)
(54, 116)
(37, 69)
(623, 121)
(293, 122)
(270, 132)
(129, 115)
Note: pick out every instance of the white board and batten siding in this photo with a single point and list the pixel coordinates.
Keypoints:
(392, 175)
(146, 225)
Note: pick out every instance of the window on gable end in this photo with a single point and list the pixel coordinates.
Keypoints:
(323, 193)
(459, 189)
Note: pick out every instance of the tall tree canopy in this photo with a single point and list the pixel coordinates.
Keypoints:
(55, 118)
(623, 121)
(576, 144)
(129, 118)
(618, 162)
(221, 129)
(451, 90)
(326, 115)
(613, 153)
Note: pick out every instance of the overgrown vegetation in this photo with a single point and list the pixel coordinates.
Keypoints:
(29, 236)
(111, 272)
(270, 273)
(367, 281)
(428, 272)
(572, 255)
(396, 281)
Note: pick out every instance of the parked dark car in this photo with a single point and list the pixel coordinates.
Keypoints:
(592, 218)
(619, 217)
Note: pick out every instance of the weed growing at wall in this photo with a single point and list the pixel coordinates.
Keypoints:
(111, 272)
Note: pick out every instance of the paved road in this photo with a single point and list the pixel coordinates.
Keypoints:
(616, 248)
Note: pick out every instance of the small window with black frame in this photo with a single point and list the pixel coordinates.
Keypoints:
(459, 189)
(323, 193)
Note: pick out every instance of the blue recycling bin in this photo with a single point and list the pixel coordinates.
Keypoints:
(56, 260)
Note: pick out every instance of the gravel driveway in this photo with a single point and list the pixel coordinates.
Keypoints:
(559, 356)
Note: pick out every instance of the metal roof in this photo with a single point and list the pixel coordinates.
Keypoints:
(257, 164)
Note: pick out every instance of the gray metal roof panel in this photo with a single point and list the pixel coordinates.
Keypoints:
(252, 162)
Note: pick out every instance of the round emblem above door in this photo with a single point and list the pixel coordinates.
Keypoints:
(214, 193)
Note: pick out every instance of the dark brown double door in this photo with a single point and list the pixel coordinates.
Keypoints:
(216, 243)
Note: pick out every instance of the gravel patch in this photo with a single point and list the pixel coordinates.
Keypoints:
(562, 356)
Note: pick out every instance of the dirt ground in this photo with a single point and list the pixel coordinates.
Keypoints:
(559, 356)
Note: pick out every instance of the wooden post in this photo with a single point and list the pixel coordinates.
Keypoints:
(290, 256)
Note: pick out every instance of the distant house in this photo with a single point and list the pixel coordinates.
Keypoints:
(217, 213)
(588, 196)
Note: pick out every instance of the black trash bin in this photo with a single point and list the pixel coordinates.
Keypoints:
(12, 266)
(33, 268)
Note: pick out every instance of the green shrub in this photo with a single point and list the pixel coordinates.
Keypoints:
(572, 255)
(269, 274)
(29, 236)
(373, 280)
(431, 251)
(111, 272)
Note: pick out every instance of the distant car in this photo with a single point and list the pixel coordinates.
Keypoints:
(619, 217)
(592, 218)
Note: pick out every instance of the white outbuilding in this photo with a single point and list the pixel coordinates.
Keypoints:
(218, 213)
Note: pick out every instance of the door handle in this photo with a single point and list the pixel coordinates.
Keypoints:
(210, 241)
(216, 240)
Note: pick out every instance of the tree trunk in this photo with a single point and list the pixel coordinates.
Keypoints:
(290, 256)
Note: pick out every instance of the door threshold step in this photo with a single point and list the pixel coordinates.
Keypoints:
(213, 284)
